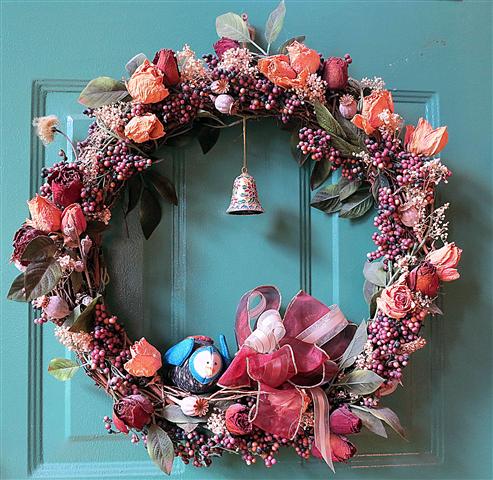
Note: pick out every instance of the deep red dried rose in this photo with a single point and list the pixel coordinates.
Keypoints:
(335, 73)
(165, 60)
(424, 279)
(342, 449)
(344, 422)
(133, 411)
(21, 239)
(66, 186)
(224, 44)
(237, 421)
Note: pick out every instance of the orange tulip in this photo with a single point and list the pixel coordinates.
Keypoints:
(373, 105)
(424, 140)
(145, 361)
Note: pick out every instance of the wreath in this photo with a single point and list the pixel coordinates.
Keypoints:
(306, 379)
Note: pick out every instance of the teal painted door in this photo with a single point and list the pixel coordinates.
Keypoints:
(189, 276)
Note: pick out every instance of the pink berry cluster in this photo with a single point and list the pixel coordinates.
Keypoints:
(316, 144)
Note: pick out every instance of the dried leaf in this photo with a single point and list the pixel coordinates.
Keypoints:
(150, 212)
(357, 205)
(39, 248)
(62, 369)
(231, 25)
(274, 23)
(173, 414)
(83, 321)
(381, 181)
(135, 62)
(362, 382)
(160, 448)
(390, 418)
(207, 137)
(320, 173)
(164, 187)
(375, 273)
(17, 291)
(41, 278)
(355, 347)
(283, 49)
(371, 422)
(134, 190)
(327, 121)
(348, 187)
(103, 91)
(327, 199)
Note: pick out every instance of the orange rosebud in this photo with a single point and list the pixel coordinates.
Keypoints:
(445, 260)
(373, 105)
(303, 58)
(144, 128)
(73, 222)
(277, 69)
(145, 361)
(424, 140)
(146, 84)
(45, 215)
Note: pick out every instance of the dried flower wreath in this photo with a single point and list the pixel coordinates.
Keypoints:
(304, 381)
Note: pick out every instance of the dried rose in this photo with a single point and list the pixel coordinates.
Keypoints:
(341, 448)
(409, 214)
(144, 128)
(424, 279)
(396, 301)
(165, 60)
(73, 222)
(445, 260)
(278, 70)
(343, 421)
(335, 73)
(373, 106)
(224, 44)
(45, 215)
(22, 238)
(194, 406)
(146, 85)
(424, 140)
(237, 421)
(302, 58)
(133, 411)
(145, 361)
(66, 186)
(56, 307)
(387, 388)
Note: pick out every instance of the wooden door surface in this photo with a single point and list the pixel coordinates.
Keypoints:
(435, 56)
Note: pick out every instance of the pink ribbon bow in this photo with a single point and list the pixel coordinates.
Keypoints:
(284, 357)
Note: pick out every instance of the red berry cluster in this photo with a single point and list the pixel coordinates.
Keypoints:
(316, 143)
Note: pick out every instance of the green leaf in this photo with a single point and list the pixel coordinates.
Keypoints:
(134, 189)
(84, 321)
(150, 212)
(375, 273)
(381, 181)
(345, 148)
(327, 199)
(362, 382)
(373, 303)
(356, 346)
(207, 137)
(327, 121)
(103, 91)
(347, 187)
(354, 135)
(76, 280)
(232, 26)
(390, 418)
(283, 49)
(17, 291)
(371, 422)
(369, 289)
(164, 186)
(320, 173)
(39, 248)
(41, 278)
(135, 62)
(160, 448)
(357, 205)
(274, 23)
(173, 414)
(187, 427)
(62, 369)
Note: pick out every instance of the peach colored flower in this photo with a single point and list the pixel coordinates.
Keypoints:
(277, 69)
(445, 260)
(408, 214)
(373, 105)
(424, 140)
(145, 361)
(396, 301)
(144, 128)
(146, 85)
(45, 216)
(46, 128)
(73, 222)
(303, 58)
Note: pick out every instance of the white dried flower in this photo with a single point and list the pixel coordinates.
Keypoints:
(46, 128)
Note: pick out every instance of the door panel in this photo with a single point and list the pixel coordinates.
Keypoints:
(188, 278)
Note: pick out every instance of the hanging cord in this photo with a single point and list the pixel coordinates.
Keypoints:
(244, 168)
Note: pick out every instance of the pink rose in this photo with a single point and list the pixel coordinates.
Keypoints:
(396, 301)
(73, 222)
(424, 279)
(133, 411)
(165, 60)
(342, 449)
(45, 215)
(224, 44)
(445, 260)
(343, 421)
(335, 73)
(237, 421)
